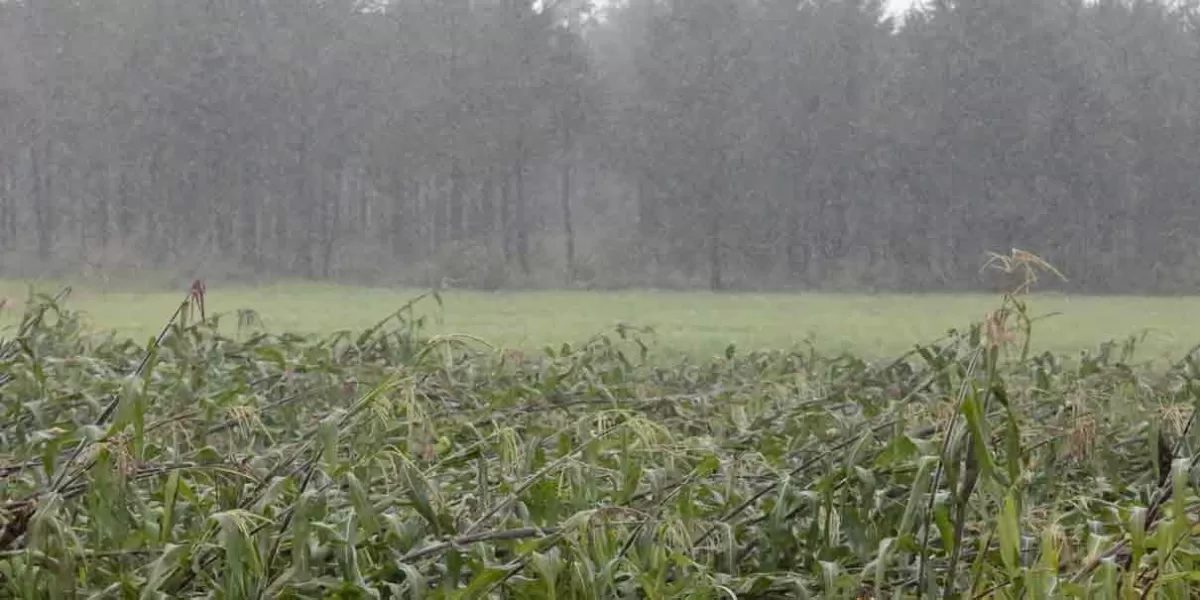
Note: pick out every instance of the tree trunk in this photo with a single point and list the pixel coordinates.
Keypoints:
(647, 215)
(797, 255)
(565, 198)
(456, 209)
(714, 246)
(8, 208)
(125, 209)
(284, 205)
(401, 243)
(42, 209)
(505, 218)
(333, 223)
(251, 254)
(158, 189)
(520, 219)
(438, 210)
(485, 215)
(104, 207)
(307, 202)
(220, 199)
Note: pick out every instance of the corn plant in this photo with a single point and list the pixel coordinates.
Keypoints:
(391, 464)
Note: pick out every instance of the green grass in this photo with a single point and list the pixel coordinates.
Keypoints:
(389, 464)
(694, 323)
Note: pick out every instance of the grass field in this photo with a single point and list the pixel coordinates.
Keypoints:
(695, 323)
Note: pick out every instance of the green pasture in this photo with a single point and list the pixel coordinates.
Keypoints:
(696, 323)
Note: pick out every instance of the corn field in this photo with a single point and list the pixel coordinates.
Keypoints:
(391, 464)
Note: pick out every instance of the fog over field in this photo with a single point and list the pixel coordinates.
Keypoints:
(699, 144)
(584, 299)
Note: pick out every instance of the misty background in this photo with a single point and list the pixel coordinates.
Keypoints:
(725, 144)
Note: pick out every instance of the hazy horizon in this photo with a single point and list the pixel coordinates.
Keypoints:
(723, 144)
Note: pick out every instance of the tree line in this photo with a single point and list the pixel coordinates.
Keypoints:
(724, 144)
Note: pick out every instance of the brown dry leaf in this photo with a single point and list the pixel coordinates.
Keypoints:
(1082, 437)
(997, 331)
(1176, 415)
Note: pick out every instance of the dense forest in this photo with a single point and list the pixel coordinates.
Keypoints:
(724, 144)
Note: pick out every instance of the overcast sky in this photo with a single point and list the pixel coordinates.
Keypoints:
(898, 6)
